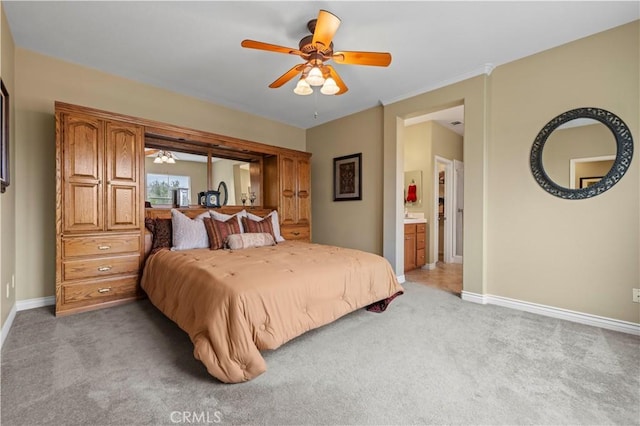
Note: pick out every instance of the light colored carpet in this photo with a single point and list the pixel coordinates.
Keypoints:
(429, 359)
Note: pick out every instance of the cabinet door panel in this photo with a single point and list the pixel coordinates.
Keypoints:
(123, 207)
(83, 211)
(123, 150)
(82, 147)
(124, 144)
(409, 252)
(288, 191)
(304, 191)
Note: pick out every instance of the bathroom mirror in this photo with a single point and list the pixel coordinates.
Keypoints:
(581, 153)
(413, 188)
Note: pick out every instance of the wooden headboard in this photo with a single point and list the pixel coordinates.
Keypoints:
(165, 213)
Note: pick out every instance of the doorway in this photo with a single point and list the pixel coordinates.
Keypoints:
(448, 190)
(444, 195)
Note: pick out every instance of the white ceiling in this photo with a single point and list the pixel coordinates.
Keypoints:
(194, 47)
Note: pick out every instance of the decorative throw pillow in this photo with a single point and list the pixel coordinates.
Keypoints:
(275, 222)
(218, 231)
(256, 226)
(188, 233)
(161, 230)
(249, 239)
(224, 217)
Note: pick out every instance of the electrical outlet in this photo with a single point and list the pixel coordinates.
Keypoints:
(636, 295)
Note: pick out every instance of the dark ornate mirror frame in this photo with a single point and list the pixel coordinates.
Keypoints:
(224, 193)
(624, 154)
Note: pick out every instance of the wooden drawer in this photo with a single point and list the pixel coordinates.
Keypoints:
(91, 293)
(421, 258)
(420, 240)
(102, 267)
(295, 232)
(100, 245)
(421, 228)
(409, 228)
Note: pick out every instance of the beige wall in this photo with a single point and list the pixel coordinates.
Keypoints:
(8, 198)
(354, 224)
(520, 242)
(578, 255)
(41, 80)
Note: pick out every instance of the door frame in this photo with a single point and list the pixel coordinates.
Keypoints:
(448, 208)
(454, 210)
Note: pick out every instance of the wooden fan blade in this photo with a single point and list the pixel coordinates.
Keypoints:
(287, 76)
(376, 59)
(332, 72)
(252, 44)
(326, 26)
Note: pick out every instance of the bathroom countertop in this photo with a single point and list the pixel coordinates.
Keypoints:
(414, 220)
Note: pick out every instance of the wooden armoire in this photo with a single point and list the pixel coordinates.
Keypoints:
(100, 197)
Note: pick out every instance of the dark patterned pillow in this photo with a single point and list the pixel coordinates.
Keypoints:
(161, 229)
(218, 231)
(150, 224)
(258, 226)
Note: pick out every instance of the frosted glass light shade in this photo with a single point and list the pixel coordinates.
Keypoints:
(315, 77)
(330, 87)
(303, 88)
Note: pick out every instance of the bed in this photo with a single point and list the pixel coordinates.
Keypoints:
(235, 303)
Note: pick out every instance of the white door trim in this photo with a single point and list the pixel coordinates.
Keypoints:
(448, 207)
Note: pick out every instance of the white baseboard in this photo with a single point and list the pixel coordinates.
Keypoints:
(429, 266)
(7, 325)
(37, 302)
(551, 311)
(401, 278)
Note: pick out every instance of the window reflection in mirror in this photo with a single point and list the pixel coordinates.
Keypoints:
(190, 171)
(579, 153)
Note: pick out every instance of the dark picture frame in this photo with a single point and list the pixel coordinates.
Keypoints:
(347, 177)
(213, 199)
(4, 138)
(586, 182)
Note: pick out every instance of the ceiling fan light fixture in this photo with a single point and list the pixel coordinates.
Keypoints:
(303, 88)
(315, 77)
(329, 87)
(164, 157)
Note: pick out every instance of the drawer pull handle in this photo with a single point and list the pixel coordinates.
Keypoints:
(104, 290)
(296, 233)
(104, 247)
(104, 268)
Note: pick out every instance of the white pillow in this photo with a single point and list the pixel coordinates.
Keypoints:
(188, 233)
(274, 221)
(224, 217)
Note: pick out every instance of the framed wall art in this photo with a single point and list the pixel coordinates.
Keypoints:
(347, 178)
(4, 138)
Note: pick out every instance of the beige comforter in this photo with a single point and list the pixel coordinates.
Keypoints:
(233, 304)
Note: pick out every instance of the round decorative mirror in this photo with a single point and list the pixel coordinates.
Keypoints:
(581, 153)
(224, 193)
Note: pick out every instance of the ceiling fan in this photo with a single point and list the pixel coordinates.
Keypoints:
(317, 49)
